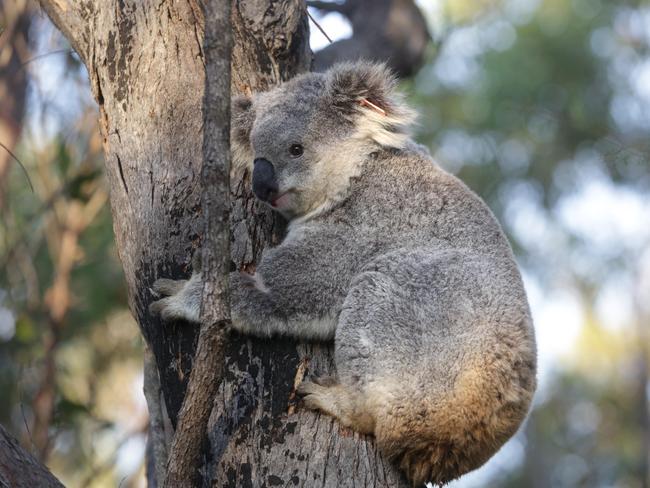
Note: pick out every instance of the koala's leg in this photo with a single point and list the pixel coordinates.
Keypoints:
(446, 373)
(343, 403)
(352, 397)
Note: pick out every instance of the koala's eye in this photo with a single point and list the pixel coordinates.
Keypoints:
(296, 150)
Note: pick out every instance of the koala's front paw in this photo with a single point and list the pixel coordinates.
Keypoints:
(167, 287)
(179, 302)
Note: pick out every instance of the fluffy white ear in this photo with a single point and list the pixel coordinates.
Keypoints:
(365, 93)
(242, 118)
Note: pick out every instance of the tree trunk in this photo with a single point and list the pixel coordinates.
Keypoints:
(146, 67)
(19, 469)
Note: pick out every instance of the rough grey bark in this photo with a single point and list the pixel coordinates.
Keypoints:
(19, 469)
(146, 66)
(393, 31)
(260, 438)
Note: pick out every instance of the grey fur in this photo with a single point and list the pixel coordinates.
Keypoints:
(397, 261)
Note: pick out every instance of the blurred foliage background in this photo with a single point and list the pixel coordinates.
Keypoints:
(541, 106)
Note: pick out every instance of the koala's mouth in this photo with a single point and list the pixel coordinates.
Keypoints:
(282, 200)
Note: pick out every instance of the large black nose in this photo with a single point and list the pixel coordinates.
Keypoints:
(265, 183)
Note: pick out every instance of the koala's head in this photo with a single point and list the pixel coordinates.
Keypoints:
(306, 138)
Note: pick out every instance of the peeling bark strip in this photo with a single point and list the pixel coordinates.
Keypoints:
(19, 469)
(146, 66)
(207, 369)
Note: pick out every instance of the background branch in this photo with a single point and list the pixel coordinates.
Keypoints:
(391, 31)
(15, 18)
(19, 469)
(74, 20)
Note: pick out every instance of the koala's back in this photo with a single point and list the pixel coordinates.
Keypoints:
(435, 329)
(404, 199)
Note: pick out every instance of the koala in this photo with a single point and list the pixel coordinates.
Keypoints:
(392, 258)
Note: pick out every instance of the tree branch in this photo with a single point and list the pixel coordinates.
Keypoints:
(19, 469)
(342, 8)
(72, 18)
(391, 31)
(155, 404)
(208, 364)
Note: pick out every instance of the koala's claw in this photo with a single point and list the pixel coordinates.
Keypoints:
(317, 385)
(173, 303)
(166, 287)
(306, 388)
(325, 380)
(318, 396)
(197, 261)
(310, 392)
(158, 307)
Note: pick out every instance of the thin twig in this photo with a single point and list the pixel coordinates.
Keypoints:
(98, 468)
(183, 466)
(29, 433)
(364, 101)
(320, 28)
(20, 163)
(46, 206)
(44, 55)
(341, 8)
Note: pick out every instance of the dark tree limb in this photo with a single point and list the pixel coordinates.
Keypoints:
(159, 437)
(393, 31)
(207, 368)
(19, 469)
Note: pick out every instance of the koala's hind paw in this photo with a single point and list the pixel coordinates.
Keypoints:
(320, 394)
(332, 398)
(313, 395)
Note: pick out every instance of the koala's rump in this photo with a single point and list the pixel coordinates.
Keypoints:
(440, 344)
